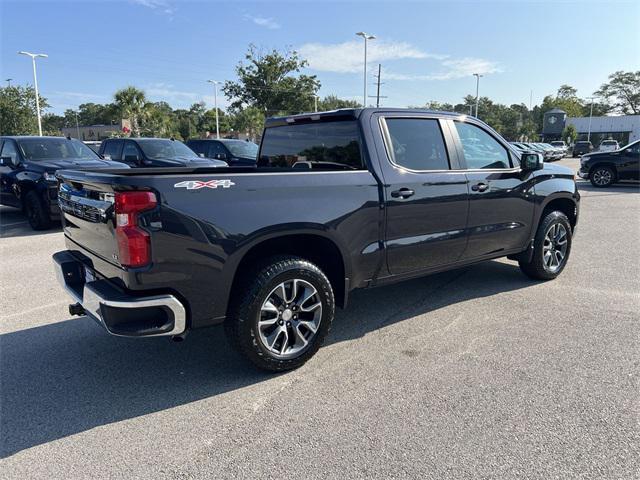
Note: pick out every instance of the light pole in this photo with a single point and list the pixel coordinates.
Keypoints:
(477, 75)
(366, 37)
(35, 82)
(77, 125)
(590, 115)
(215, 104)
(8, 80)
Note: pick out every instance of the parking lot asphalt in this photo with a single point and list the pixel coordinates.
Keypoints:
(474, 373)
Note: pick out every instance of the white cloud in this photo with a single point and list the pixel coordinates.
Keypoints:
(347, 57)
(269, 22)
(160, 6)
(179, 98)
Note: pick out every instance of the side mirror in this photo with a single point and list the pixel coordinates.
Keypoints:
(6, 162)
(530, 161)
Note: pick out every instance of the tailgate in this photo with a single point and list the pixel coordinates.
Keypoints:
(87, 205)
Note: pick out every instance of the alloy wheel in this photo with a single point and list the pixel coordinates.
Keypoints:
(602, 177)
(554, 249)
(289, 318)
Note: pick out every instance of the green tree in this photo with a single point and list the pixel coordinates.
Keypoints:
(132, 103)
(18, 114)
(622, 92)
(273, 83)
(569, 134)
(333, 102)
(250, 121)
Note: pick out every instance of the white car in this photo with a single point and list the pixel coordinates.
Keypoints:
(609, 146)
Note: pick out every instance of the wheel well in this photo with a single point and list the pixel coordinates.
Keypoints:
(318, 250)
(25, 188)
(565, 205)
(604, 164)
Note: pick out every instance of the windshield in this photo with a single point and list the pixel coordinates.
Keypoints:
(37, 149)
(557, 144)
(242, 149)
(156, 149)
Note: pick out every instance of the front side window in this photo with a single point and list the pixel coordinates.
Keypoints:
(216, 148)
(112, 149)
(481, 150)
(317, 146)
(130, 152)
(37, 149)
(417, 144)
(9, 150)
(242, 149)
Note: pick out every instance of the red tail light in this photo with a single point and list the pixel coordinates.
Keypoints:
(134, 245)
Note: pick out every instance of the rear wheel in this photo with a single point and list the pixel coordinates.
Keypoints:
(281, 313)
(36, 211)
(602, 177)
(551, 247)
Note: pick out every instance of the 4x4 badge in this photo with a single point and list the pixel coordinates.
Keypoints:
(198, 184)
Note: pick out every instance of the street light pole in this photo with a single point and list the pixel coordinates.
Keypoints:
(8, 80)
(366, 37)
(477, 75)
(215, 104)
(590, 115)
(77, 125)
(35, 83)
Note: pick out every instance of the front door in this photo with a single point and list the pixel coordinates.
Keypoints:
(629, 168)
(426, 197)
(501, 196)
(8, 174)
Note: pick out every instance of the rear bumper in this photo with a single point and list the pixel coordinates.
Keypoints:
(118, 312)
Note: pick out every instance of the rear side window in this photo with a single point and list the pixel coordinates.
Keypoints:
(481, 150)
(216, 148)
(417, 144)
(316, 146)
(112, 149)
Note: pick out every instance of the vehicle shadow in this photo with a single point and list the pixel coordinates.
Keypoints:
(14, 223)
(626, 186)
(68, 377)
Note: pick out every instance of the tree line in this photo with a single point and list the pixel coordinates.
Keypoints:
(271, 83)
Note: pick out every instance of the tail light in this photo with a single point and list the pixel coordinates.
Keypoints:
(134, 245)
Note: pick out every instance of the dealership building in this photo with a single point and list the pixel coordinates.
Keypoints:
(624, 128)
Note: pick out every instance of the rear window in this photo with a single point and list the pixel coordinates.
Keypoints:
(317, 146)
(609, 142)
(583, 143)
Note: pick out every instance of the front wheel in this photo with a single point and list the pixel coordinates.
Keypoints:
(602, 177)
(36, 211)
(551, 247)
(281, 313)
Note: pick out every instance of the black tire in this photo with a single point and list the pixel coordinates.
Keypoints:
(36, 211)
(537, 268)
(241, 325)
(602, 176)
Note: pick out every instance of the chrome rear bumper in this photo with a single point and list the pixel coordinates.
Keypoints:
(119, 313)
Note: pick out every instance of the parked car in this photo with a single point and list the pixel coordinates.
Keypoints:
(237, 153)
(384, 195)
(581, 147)
(154, 152)
(604, 169)
(547, 155)
(554, 153)
(559, 144)
(608, 146)
(27, 173)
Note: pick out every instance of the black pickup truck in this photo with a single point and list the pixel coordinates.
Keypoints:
(338, 201)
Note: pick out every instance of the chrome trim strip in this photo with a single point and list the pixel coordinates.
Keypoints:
(91, 301)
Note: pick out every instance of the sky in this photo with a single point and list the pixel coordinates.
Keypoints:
(429, 50)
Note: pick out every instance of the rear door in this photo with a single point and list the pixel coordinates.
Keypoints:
(426, 195)
(501, 201)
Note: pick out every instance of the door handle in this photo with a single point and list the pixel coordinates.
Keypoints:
(479, 187)
(402, 193)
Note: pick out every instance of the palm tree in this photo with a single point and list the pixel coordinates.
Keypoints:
(133, 105)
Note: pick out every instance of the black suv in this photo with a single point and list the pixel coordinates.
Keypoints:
(27, 173)
(154, 152)
(237, 153)
(606, 168)
(582, 147)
